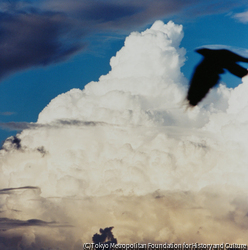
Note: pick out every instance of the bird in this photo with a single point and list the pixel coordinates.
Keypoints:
(206, 74)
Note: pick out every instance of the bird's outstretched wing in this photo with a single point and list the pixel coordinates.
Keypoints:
(207, 73)
(204, 78)
(237, 70)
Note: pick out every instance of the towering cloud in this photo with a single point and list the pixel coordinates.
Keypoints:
(125, 152)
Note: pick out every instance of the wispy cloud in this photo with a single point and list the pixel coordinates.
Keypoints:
(6, 224)
(12, 190)
(17, 126)
(33, 38)
(38, 33)
(7, 113)
(242, 17)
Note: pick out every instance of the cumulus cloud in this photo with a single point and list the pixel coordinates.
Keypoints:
(144, 164)
(38, 33)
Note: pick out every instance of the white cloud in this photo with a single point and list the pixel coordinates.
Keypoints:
(242, 17)
(152, 169)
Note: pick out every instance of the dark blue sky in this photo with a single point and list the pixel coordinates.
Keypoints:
(49, 47)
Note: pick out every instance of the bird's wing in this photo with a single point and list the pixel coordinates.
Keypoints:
(206, 75)
(236, 69)
(235, 57)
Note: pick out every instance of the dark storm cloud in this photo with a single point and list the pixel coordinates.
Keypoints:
(38, 33)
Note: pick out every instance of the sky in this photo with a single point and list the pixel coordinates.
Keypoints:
(33, 75)
(98, 88)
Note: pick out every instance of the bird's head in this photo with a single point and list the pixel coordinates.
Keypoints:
(203, 51)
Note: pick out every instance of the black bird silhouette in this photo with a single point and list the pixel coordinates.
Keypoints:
(207, 72)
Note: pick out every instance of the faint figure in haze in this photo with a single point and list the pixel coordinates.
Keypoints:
(207, 72)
